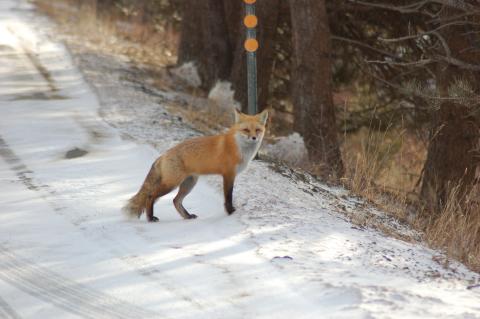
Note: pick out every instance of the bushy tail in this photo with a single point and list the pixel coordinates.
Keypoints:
(135, 205)
(138, 203)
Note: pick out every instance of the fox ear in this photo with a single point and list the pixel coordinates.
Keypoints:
(238, 115)
(263, 117)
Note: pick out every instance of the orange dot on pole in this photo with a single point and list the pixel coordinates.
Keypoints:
(250, 21)
(249, 1)
(251, 45)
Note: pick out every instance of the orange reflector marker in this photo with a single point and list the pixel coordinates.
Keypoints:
(250, 21)
(249, 1)
(251, 45)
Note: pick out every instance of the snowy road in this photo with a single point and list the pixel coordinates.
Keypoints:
(66, 251)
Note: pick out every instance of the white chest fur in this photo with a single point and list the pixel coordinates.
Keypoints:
(247, 149)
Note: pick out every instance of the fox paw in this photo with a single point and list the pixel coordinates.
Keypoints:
(153, 219)
(230, 209)
(192, 216)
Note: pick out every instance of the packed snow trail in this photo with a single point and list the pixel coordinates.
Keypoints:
(67, 252)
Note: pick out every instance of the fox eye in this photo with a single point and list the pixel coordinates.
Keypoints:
(258, 130)
(245, 130)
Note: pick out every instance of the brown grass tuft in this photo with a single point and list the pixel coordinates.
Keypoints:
(456, 230)
(384, 168)
(115, 32)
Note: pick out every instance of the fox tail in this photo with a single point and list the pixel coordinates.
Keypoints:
(137, 205)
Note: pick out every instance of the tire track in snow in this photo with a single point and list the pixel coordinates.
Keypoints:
(148, 270)
(6, 311)
(16, 165)
(62, 292)
(139, 265)
(13, 268)
(144, 268)
(25, 175)
(35, 61)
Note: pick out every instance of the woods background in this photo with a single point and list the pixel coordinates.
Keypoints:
(386, 96)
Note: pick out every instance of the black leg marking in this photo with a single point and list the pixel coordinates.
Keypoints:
(149, 208)
(151, 202)
(154, 219)
(228, 182)
(229, 202)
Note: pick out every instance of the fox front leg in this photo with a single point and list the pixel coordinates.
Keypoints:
(228, 182)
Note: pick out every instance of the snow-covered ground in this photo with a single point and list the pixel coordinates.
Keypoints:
(72, 152)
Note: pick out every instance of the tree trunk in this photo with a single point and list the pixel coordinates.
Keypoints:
(312, 85)
(105, 6)
(234, 13)
(205, 40)
(453, 157)
(267, 12)
(191, 39)
(216, 43)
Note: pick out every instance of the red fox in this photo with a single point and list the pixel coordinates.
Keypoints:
(226, 154)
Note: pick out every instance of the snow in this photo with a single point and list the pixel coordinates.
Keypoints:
(223, 95)
(188, 72)
(67, 252)
(288, 149)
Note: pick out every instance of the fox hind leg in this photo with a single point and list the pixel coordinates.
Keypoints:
(149, 210)
(185, 188)
(162, 190)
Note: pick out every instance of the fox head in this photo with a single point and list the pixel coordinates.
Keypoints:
(250, 128)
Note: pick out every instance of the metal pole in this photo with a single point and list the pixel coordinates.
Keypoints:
(251, 46)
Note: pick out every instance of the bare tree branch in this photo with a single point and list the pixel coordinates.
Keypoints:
(412, 63)
(364, 45)
(416, 6)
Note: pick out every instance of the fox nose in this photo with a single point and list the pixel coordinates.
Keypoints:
(254, 138)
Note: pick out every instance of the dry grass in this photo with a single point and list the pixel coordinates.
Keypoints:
(114, 33)
(384, 168)
(456, 230)
(205, 115)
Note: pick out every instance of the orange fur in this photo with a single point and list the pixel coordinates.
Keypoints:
(224, 154)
